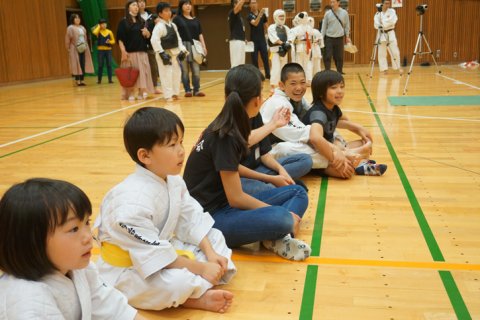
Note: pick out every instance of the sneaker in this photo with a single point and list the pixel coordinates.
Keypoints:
(289, 248)
(131, 98)
(110, 81)
(158, 91)
(188, 95)
(371, 169)
(199, 94)
(99, 82)
(145, 95)
(175, 97)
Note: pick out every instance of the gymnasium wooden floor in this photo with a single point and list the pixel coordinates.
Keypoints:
(402, 246)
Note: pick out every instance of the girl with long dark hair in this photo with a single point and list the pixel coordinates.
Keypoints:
(212, 176)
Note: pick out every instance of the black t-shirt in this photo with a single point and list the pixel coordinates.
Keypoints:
(189, 29)
(131, 36)
(257, 33)
(318, 113)
(237, 27)
(252, 160)
(210, 155)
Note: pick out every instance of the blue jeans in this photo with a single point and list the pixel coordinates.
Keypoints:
(268, 223)
(187, 67)
(296, 165)
(104, 56)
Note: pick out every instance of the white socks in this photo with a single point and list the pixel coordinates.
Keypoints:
(289, 248)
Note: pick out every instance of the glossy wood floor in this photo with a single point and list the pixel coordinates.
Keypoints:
(402, 246)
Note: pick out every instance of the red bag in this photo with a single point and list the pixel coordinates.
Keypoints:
(127, 75)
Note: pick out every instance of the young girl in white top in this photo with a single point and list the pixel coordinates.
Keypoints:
(45, 245)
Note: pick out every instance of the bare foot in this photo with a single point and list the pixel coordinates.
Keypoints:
(212, 300)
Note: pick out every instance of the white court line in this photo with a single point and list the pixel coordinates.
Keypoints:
(88, 119)
(410, 116)
(458, 81)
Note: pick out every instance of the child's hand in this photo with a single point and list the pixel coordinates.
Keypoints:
(281, 117)
(282, 172)
(218, 259)
(279, 181)
(212, 272)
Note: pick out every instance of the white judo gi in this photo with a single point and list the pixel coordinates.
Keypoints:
(277, 61)
(302, 35)
(83, 295)
(295, 135)
(385, 21)
(170, 75)
(151, 219)
(317, 44)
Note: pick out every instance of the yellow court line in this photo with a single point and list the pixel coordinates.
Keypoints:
(360, 262)
(435, 265)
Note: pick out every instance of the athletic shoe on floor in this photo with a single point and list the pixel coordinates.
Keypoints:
(289, 248)
(371, 169)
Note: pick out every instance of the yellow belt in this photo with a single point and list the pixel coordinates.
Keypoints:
(117, 257)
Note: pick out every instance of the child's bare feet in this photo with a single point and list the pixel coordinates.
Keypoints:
(212, 300)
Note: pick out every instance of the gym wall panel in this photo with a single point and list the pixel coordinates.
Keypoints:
(32, 45)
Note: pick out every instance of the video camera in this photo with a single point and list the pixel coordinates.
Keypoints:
(379, 7)
(421, 8)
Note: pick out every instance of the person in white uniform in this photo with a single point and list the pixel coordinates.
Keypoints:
(317, 45)
(296, 137)
(167, 44)
(384, 22)
(279, 44)
(302, 35)
(158, 246)
(237, 34)
(45, 245)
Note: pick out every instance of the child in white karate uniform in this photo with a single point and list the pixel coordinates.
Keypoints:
(158, 244)
(168, 46)
(45, 244)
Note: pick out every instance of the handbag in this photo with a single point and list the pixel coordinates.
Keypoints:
(81, 47)
(197, 52)
(127, 75)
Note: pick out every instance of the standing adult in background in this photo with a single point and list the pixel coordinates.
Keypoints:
(189, 29)
(79, 56)
(132, 38)
(258, 24)
(237, 34)
(105, 40)
(385, 21)
(149, 19)
(335, 26)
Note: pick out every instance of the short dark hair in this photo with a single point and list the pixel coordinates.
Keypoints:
(291, 67)
(73, 16)
(322, 81)
(148, 126)
(162, 6)
(29, 212)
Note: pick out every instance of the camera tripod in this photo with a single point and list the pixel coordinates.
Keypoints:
(418, 50)
(375, 49)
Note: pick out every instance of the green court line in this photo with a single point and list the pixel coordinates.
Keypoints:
(454, 294)
(455, 297)
(319, 217)
(40, 143)
(308, 298)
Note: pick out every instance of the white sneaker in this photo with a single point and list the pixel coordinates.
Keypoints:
(289, 248)
(131, 98)
(145, 96)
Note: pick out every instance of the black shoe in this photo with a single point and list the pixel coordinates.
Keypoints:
(110, 81)
(99, 82)
(343, 73)
(82, 84)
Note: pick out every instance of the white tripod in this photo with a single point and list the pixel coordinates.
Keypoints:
(375, 49)
(418, 50)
